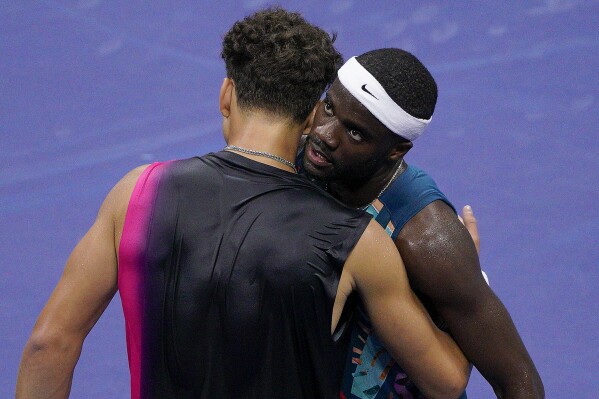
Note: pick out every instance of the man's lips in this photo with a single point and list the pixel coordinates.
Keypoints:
(316, 156)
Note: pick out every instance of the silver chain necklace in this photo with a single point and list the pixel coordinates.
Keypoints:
(262, 154)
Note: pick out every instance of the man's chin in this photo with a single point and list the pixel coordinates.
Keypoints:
(316, 172)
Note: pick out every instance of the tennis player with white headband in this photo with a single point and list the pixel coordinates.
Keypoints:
(379, 104)
(368, 91)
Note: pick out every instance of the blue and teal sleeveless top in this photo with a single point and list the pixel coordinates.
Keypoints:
(370, 371)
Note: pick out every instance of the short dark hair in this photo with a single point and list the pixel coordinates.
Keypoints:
(279, 62)
(404, 78)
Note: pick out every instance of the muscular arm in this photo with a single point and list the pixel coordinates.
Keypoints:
(87, 285)
(442, 264)
(430, 356)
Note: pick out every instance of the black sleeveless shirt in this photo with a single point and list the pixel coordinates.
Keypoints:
(228, 271)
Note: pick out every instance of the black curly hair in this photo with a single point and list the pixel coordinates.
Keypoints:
(405, 79)
(279, 62)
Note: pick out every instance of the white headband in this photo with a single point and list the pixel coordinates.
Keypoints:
(368, 91)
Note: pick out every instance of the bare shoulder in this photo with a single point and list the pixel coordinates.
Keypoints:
(374, 258)
(433, 225)
(120, 194)
(116, 202)
(437, 249)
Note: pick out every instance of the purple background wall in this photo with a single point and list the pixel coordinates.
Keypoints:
(90, 89)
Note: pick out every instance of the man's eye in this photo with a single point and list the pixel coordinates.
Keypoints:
(328, 108)
(355, 134)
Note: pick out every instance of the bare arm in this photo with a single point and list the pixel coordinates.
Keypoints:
(428, 355)
(442, 264)
(87, 285)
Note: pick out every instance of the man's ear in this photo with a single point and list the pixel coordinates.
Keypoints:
(310, 119)
(400, 148)
(225, 97)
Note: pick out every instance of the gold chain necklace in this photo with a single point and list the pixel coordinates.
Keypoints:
(392, 179)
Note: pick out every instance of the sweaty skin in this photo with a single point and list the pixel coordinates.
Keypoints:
(399, 318)
(356, 154)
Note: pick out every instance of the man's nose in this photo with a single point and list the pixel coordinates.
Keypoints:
(326, 133)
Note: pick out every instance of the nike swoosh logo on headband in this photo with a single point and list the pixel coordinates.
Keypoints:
(366, 90)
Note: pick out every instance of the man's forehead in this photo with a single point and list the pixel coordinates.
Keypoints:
(349, 109)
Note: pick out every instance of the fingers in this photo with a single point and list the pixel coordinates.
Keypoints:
(470, 223)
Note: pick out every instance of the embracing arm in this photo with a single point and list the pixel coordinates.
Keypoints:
(87, 285)
(442, 264)
(428, 355)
